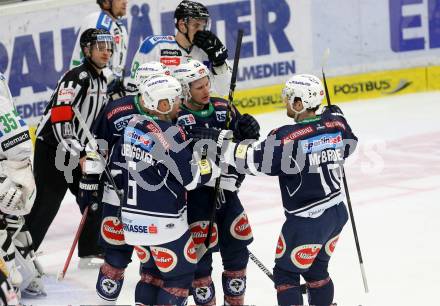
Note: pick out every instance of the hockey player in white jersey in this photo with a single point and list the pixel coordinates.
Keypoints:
(110, 19)
(17, 195)
(193, 40)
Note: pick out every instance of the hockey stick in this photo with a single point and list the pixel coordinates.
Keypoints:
(203, 248)
(269, 274)
(347, 194)
(74, 243)
(94, 146)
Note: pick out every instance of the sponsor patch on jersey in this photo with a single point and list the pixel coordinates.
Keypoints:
(65, 95)
(117, 39)
(122, 122)
(119, 109)
(221, 116)
(204, 166)
(241, 151)
(140, 229)
(142, 253)
(321, 142)
(156, 38)
(15, 140)
(304, 255)
(112, 231)
(82, 75)
(170, 52)
(199, 232)
(138, 138)
(158, 133)
(240, 228)
(190, 251)
(297, 134)
(186, 120)
(170, 61)
(67, 130)
(165, 259)
(281, 246)
(334, 124)
(331, 245)
(106, 21)
(220, 104)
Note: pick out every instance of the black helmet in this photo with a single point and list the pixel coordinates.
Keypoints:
(92, 35)
(191, 9)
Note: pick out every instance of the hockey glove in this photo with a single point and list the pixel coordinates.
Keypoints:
(332, 110)
(214, 48)
(116, 89)
(246, 127)
(88, 191)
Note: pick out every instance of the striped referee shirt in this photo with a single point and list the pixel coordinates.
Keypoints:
(81, 87)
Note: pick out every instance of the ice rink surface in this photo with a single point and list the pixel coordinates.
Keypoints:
(394, 181)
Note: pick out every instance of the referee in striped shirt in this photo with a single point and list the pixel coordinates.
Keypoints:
(59, 133)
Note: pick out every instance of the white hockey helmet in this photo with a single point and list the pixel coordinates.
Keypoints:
(307, 87)
(189, 72)
(149, 69)
(158, 88)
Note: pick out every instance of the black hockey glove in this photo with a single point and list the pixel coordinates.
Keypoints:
(116, 89)
(198, 133)
(332, 110)
(214, 48)
(88, 191)
(246, 127)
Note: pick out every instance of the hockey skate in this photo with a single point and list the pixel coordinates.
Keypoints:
(90, 262)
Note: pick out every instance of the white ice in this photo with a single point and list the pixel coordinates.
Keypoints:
(394, 181)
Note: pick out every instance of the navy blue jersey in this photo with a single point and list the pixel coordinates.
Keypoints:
(214, 116)
(157, 169)
(113, 119)
(307, 157)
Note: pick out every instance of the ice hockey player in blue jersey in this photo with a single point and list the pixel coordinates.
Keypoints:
(157, 168)
(193, 40)
(306, 157)
(108, 128)
(231, 231)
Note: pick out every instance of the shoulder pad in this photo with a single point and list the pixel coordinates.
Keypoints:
(104, 22)
(151, 41)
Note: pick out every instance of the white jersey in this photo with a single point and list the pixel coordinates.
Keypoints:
(15, 142)
(166, 50)
(4, 89)
(101, 20)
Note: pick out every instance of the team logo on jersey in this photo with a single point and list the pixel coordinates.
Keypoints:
(165, 259)
(331, 245)
(170, 52)
(221, 116)
(304, 255)
(199, 232)
(281, 246)
(190, 251)
(186, 120)
(142, 253)
(236, 286)
(203, 295)
(108, 285)
(112, 231)
(240, 228)
(170, 61)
